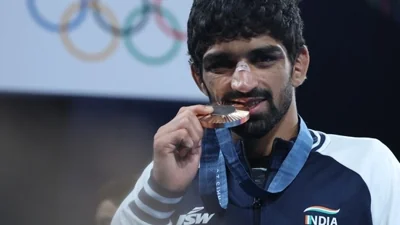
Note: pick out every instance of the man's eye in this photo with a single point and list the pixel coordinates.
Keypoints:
(264, 59)
(220, 70)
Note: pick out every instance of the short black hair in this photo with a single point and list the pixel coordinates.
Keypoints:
(213, 21)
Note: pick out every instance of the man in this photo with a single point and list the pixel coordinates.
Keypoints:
(251, 54)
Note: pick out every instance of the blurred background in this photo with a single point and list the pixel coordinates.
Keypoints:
(80, 102)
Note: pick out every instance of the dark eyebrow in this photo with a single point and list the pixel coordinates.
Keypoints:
(220, 56)
(266, 50)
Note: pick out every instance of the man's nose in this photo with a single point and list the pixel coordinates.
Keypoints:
(243, 79)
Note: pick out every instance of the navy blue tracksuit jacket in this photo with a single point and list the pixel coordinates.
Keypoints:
(339, 181)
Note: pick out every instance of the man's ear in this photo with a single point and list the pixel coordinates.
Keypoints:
(300, 67)
(198, 79)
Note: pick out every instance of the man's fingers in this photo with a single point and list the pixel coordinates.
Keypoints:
(184, 131)
(188, 120)
(197, 109)
(192, 124)
(197, 130)
(175, 140)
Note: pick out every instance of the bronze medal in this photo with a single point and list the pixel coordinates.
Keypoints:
(224, 116)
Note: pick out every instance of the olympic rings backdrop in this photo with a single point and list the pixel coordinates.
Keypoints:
(116, 48)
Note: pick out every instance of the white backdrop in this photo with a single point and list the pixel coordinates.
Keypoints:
(35, 59)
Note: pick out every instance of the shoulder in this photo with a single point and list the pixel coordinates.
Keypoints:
(358, 153)
(375, 163)
(371, 159)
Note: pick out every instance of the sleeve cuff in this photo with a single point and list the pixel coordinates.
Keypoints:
(154, 204)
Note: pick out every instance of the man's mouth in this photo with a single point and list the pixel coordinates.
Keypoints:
(245, 103)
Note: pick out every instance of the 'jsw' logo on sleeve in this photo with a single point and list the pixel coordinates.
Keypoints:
(194, 218)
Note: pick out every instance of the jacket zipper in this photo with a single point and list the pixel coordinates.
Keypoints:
(257, 203)
(257, 211)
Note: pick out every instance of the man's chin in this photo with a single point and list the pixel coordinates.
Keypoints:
(253, 129)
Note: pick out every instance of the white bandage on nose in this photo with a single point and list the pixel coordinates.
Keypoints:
(242, 66)
(243, 80)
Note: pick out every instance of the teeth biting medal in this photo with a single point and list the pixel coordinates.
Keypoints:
(227, 116)
(224, 116)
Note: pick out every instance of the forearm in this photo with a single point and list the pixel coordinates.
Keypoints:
(148, 203)
(154, 204)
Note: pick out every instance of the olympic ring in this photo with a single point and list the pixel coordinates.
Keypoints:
(122, 31)
(79, 53)
(164, 27)
(68, 23)
(148, 59)
(57, 27)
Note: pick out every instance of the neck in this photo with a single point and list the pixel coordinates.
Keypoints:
(286, 129)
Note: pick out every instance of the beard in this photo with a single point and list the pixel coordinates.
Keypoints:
(262, 123)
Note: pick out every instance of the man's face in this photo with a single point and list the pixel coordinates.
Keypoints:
(264, 88)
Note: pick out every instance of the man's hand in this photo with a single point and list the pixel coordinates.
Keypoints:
(177, 149)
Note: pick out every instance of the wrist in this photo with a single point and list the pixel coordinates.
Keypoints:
(155, 184)
(163, 185)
